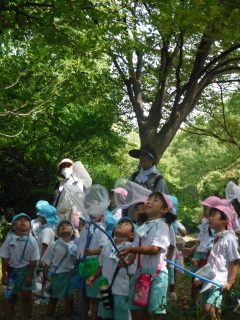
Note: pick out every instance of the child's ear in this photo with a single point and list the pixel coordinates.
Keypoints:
(165, 210)
(131, 235)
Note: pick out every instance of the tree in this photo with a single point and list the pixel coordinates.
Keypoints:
(166, 54)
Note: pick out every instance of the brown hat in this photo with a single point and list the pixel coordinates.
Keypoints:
(146, 149)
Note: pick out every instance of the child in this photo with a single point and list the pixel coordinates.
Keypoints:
(113, 208)
(152, 247)
(90, 245)
(205, 241)
(138, 213)
(19, 258)
(59, 260)
(118, 279)
(223, 260)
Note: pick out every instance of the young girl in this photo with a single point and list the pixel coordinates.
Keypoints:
(205, 241)
(59, 260)
(19, 258)
(152, 247)
(116, 276)
(223, 260)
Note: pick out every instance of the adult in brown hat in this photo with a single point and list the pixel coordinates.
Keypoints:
(148, 176)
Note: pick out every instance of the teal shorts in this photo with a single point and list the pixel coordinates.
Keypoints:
(171, 275)
(61, 285)
(119, 311)
(157, 295)
(20, 275)
(93, 291)
(212, 297)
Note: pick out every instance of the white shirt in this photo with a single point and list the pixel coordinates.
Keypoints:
(159, 236)
(224, 251)
(45, 236)
(109, 265)
(60, 256)
(13, 248)
(206, 241)
(99, 239)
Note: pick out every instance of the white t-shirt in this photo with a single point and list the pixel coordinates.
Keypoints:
(224, 251)
(159, 236)
(13, 248)
(99, 239)
(45, 236)
(60, 256)
(109, 265)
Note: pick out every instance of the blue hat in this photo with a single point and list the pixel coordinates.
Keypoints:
(175, 204)
(49, 213)
(19, 215)
(40, 204)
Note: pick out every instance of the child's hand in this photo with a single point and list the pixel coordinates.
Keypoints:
(4, 279)
(28, 281)
(123, 253)
(89, 281)
(228, 286)
(197, 282)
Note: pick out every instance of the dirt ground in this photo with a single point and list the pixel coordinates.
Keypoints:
(180, 310)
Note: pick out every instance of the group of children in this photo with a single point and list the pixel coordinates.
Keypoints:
(123, 274)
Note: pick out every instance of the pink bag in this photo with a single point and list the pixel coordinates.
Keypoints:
(142, 288)
(143, 284)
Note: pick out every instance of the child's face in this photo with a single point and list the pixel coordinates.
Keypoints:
(22, 224)
(139, 209)
(154, 207)
(43, 220)
(216, 222)
(65, 230)
(124, 230)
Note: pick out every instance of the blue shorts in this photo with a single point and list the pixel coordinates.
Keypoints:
(157, 294)
(20, 275)
(93, 291)
(61, 285)
(120, 310)
(212, 297)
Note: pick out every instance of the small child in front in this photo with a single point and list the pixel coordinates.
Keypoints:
(152, 247)
(59, 260)
(116, 274)
(223, 260)
(19, 259)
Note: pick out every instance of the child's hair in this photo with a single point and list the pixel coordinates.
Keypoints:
(124, 219)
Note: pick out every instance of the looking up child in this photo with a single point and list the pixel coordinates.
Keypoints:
(223, 260)
(19, 259)
(59, 261)
(205, 241)
(91, 242)
(116, 275)
(154, 239)
(138, 213)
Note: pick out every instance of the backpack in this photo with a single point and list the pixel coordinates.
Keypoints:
(157, 179)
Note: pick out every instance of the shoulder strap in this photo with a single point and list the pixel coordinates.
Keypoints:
(61, 261)
(24, 249)
(114, 275)
(134, 175)
(139, 256)
(158, 178)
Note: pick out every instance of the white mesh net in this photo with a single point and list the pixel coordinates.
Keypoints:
(232, 191)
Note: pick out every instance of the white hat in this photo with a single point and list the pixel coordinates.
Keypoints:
(66, 160)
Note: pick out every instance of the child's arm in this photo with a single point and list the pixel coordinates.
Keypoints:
(93, 252)
(4, 271)
(191, 250)
(32, 267)
(170, 252)
(232, 275)
(147, 250)
(97, 273)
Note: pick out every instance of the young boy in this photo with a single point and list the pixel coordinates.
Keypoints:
(109, 262)
(59, 260)
(19, 258)
(91, 242)
(223, 260)
(154, 239)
